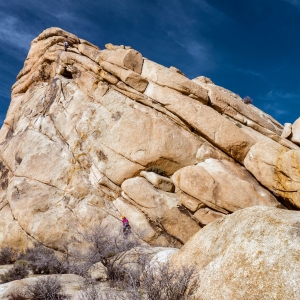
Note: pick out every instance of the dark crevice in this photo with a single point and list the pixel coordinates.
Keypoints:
(67, 74)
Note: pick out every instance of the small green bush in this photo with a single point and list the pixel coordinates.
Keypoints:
(158, 170)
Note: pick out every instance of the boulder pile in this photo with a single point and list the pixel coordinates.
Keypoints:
(92, 135)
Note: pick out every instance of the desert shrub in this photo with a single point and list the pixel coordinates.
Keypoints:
(45, 288)
(247, 100)
(17, 295)
(166, 283)
(158, 170)
(42, 260)
(18, 271)
(7, 256)
(110, 249)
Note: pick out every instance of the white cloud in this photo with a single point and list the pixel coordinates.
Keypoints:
(293, 2)
(210, 10)
(279, 95)
(279, 103)
(187, 31)
(12, 33)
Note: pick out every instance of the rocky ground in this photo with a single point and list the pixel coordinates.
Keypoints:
(91, 135)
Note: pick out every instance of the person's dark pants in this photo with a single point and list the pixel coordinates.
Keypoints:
(66, 48)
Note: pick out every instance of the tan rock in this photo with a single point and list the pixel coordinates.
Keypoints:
(5, 176)
(5, 268)
(207, 215)
(174, 69)
(296, 132)
(71, 285)
(250, 261)
(11, 233)
(139, 223)
(4, 132)
(42, 217)
(125, 58)
(209, 151)
(33, 155)
(190, 202)
(232, 105)
(161, 207)
(55, 31)
(160, 182)
(108, 77)
(109, 46)
(91, 52)
(204, 119)
(277, 168)
(98, 272)
(287, 130)
(69, 58)
(129, 77)
(223, 186)
(167, 77)
(76, 131)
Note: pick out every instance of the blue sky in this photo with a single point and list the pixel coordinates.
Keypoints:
(249, 47)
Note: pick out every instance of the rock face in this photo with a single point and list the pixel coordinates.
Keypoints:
(86, 128)
(295, 130)
(246, 255)
(223, 186)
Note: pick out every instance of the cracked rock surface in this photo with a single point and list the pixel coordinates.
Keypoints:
(84, 127)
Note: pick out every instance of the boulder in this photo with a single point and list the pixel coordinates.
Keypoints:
(287, 130)
(139, 223)
(161, 207)
(129, 77)
(174, 80)
(296, 132)
(232, 105)
(125, 58)
(209, 151)
(98, 272)
(277, 168)
(190, 202)
(137, 258)
(84, 123)
(160, 182)
(246, 255)
(223, 186)
(71, 285)
(215, 128)
(91, 52)
(206, 215)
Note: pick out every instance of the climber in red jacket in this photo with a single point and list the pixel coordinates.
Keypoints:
(126, 225)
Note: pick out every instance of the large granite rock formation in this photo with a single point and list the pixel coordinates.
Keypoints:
(251, 254)
(85, 127)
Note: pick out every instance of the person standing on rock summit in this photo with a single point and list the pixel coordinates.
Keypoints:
(66, 45)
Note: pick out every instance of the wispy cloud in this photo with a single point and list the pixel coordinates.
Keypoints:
(279, 95)
(209, 9)
(279, 103)
(13, 34)
(293, 2)
(187, 30)
(251, 72)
